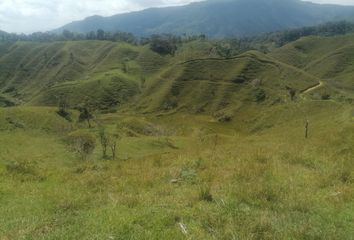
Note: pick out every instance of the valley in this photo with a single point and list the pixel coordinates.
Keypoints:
(190, 145)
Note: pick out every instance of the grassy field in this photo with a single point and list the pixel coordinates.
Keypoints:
(209, 148)
(256, 177)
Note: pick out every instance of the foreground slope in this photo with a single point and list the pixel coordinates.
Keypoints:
(208, 147)
(254, 178)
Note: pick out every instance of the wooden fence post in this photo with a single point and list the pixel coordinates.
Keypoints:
(307, 129)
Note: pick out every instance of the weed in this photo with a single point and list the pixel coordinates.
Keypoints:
(188, 175)
(205, 193)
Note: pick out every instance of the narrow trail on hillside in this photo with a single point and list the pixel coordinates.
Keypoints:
(310, 89)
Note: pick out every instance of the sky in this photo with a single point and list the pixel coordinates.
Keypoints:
(27, 16)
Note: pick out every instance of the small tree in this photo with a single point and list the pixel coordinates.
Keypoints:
(83, 143)
(164, 44)
(104, 140)
(292, 92)
(68, 35)
(72, 57)
(100, 34)
(113, 144)
(85, 115)
(142, 82)
(125, 66)
(63, 107)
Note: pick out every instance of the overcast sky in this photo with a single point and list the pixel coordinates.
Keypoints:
(41, 15)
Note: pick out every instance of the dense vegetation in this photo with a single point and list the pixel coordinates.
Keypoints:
(217, 19)
(167, 43)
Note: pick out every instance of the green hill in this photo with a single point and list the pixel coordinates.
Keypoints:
(108, 74)
(328, 58)
(40, 72)
(186, 146)
(254, 177)
(196, 79)
(217, 18)
(212, 84)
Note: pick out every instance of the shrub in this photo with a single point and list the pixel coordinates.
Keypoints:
(259, 95)
(104, 141)
(62, 108)
(224, 116)
(64, 114)
(113, 140)
(83, 143)
(85, 114)
(188, 174)
(24, 167)
(163, 44)
(170, 103)
(205, 194)
(326, 96)
(25, 170)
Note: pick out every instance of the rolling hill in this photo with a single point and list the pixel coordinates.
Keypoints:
(212, 85)
(109, 74)
(193, 145)
(217, 18)
(40, 72)
(328, 58)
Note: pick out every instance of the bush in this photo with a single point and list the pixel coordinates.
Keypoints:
(171, 103)
(326, 96)
(259, 95)
(224, 116)
(83, 143)
(85, 115)
(25, 170)
(163, 44)
(188, 175)
(64, 114)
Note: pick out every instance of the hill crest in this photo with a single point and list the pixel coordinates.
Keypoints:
(217, 18)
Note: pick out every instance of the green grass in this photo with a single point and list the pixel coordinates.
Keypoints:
(328, 58)
(196, 79)
(261, 178)
(36, 72)
(205, 152)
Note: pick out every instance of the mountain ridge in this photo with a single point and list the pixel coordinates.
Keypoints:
(217, 18)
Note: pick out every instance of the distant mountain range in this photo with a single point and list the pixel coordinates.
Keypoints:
(218, 18)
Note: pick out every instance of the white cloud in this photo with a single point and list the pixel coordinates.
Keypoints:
(341, 2)
(42, 15)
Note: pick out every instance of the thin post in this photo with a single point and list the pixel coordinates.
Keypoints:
(307, 129)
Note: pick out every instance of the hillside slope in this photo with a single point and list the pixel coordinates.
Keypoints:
(40, 72)
(107, 75)
(217, 18)
(213, 84)
(190, 146)
(328, 58)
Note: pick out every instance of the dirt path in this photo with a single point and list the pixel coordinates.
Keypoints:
(320, 84)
